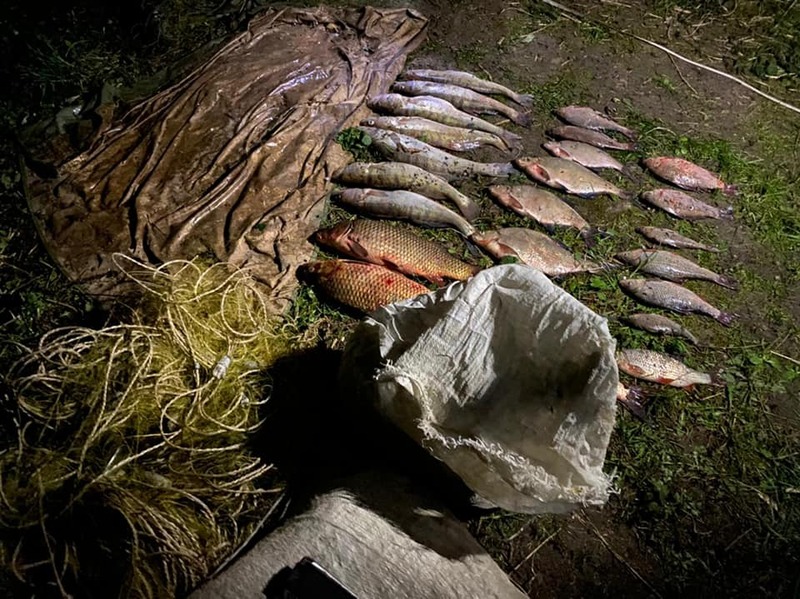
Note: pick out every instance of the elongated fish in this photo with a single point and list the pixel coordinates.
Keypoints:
(672, 267)
(534, 249)
(567, 176)
(673, 239)
(687, 175)
(682, 205)
(402, 148)
(463, 98)
(587, 136)
(360, 285)
(583, 154)
(441, 111)
(397, 175)
(440, 135)
(395, 247)
(656, 367)
(470, 81)
(543, 207)
(405, 205)
(589, 118)
(659, 325)
(671, 296)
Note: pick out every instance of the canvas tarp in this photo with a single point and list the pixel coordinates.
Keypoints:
(233, 161)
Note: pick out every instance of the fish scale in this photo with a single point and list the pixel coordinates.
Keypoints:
(395, 247)
(360, 285)
(656, 367)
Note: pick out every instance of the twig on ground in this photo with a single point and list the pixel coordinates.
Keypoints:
(792, 360)
(534, 551)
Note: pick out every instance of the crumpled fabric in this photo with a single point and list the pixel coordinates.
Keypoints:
(506, 378)
(232, 162)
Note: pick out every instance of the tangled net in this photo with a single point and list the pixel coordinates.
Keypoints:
(132, 472)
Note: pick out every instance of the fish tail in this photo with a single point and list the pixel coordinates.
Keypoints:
(591, 235)
(726, 213)
(629, 133)
(717, 378)
(469, 209)
(521, 118)
(506, 169)
(633, 403)
(525, 100)
(627, 171)
(730, 190)
(726, 281)
(690, 337)
(512, 140)
(726, 318)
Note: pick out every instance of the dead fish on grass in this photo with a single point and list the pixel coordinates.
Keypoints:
(659, 325)
(402, 148)
(687, 175)
(656, 367)
(396, 248)
(360, 285)
(456, 139)
(589, 118)
(568, 176)
(441, 111)
(398, 175)
(462, 98)
(666, 265)
(544, 207)
(587, 136)
(405, 205)
(671, 296)
(534, 249)
(673, 239)
(470, 81)
(682, 205)
(583, 154)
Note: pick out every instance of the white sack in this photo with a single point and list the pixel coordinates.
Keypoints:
(506, 378)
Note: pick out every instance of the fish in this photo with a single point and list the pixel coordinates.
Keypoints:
(456, 139)
(670, 266)
(567, 176)
(534, 249)
(405, 205)
(441, 111)
(630, 398)
(398, 175)
(671, 296)
(657, 367)
(682, 205)
(396, 248)
(462, 98)
(470, 81)
(673, 239)
(687, 175)
(360, 285)
(402, 148)
(587, 136)
(542, 206)
(583, 154)
(659, 325)
(589, 118)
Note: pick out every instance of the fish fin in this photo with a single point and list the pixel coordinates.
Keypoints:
(728, 282)
(665, 380)
(358, 250)
(633, 406)
(634, 370)
(436, 280)
(727, 318)
(522, 118)
(730, 190)
(717, 380)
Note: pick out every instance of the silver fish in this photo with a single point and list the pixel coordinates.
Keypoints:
(440, 135)
(402, 148)
(589, 118)
(542, 206)
(659, 325)
(672, 239)
(672, 267)
(462, 98)
(398, 175)
(671, 296)
(534, 249)
(593, 138)
(656, 367)
(470, 81)
(568, 176)
(682, 205)
(441, 111)
(583, 154)
(405, 205)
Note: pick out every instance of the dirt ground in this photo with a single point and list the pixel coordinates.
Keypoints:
(719, 522)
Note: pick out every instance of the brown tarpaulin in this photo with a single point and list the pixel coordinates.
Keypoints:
(233, 160)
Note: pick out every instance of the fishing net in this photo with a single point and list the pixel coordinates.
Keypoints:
(132, 474)
(232, 161)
